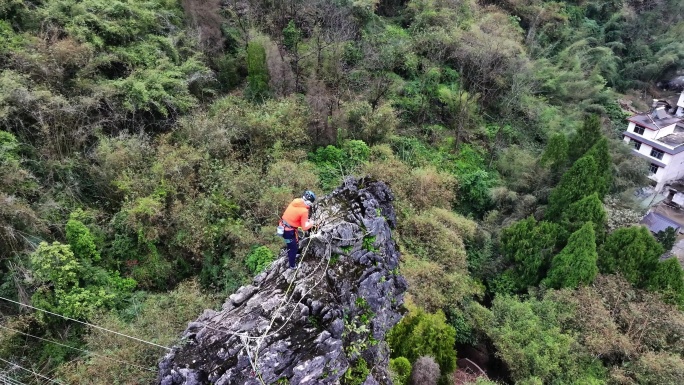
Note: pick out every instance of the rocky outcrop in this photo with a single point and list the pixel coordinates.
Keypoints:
(324, 323)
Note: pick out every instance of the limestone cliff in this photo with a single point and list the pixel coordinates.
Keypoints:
(324, 323)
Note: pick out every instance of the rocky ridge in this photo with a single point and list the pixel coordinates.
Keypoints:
(324, 323)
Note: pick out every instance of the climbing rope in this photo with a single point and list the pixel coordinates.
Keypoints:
(251, 345)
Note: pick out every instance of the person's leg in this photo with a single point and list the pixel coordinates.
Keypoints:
(292, 247)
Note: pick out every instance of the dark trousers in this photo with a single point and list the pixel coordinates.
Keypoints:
(290, 237)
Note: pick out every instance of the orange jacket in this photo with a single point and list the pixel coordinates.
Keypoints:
(297, 214)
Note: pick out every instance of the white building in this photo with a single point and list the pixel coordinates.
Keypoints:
(659, 137)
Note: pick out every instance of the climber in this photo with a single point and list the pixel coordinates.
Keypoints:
(296, 216)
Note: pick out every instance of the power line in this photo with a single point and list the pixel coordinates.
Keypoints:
(80, 350)
(31, 371)
(87, 324)
(5, 379)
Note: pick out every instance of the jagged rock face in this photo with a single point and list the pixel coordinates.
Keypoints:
(324, 323)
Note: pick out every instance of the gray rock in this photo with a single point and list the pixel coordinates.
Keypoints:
(291, 326)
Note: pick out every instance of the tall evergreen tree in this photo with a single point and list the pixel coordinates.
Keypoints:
(575, 265)
(632, 252)
(257, 73)
(604, 164)
(668, 278)
(529, 245)
(580, 180)
(587, 209)
(556, 154)
(585, 137)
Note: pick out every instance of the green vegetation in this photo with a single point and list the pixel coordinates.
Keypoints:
(147, 149)
(401, 370)
(424, 334)
(576, 264)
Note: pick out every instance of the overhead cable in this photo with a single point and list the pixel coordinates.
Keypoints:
(80, 350)
(88, 324)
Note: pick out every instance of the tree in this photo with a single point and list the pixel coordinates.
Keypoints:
(580, 180)
(529, 339)
(667, 238)
(632, 252)
(529, 245)
(71, 286)
(257, 73)
(585, 137)
(291, 36)
(556, 153)
(424, 334)
(604, 163)
(575, 265)
(587, 209)
(668, 278)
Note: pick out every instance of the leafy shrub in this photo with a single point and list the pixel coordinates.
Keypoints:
(80, 239)
(258, 128)
(357, 374)
(667, 238)
(259, 258)
(438, 235)
(430, 188)
(72, 286)
(334, 163)
(424, 334)
(162, 89)
(372, 125)
(529, 340)
(474, 180)
(400, 368)
(433, 287)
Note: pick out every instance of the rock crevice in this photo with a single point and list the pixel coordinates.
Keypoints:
(324, 323)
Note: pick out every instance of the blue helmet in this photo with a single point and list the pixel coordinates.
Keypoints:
(309, 196)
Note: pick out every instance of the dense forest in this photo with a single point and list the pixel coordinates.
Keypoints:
(147, 149)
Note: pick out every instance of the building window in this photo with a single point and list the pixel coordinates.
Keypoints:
(638, 130)
(657, 154)
(653, 169)
(635, 143)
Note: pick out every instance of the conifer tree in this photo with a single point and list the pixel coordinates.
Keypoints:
(668, 278)
(587, 209)
(257, 73)
(575, 265)
(604, 165)
(556, 153)
(529, 245)
(585, 137)
(632, 252)
(580, 180)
